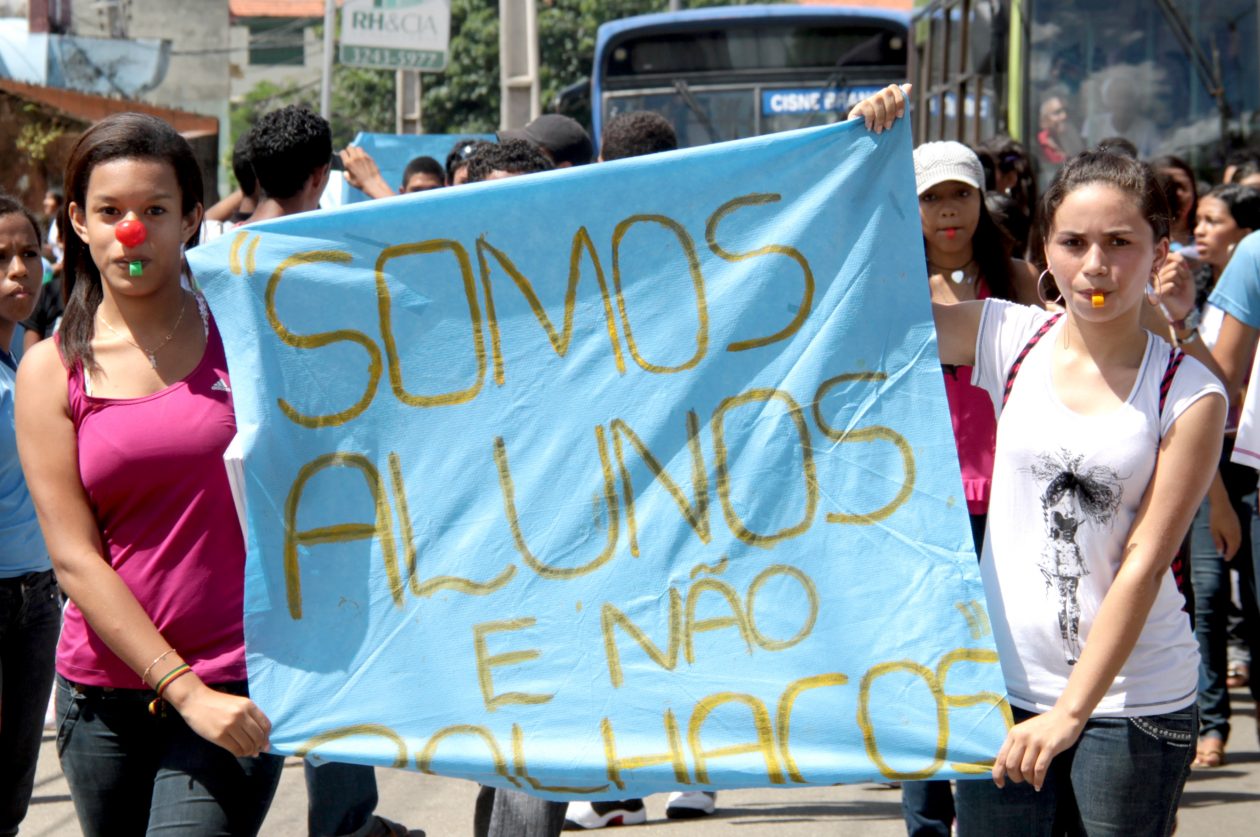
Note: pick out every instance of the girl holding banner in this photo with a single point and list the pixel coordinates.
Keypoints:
(1107, 441)
(968, 258)
(122, 423)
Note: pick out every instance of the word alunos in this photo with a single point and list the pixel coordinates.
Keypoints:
(694, 510)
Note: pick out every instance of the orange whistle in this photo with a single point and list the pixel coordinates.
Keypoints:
(1098, 300)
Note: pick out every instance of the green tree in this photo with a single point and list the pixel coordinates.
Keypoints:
(465, 97)
(362, 100)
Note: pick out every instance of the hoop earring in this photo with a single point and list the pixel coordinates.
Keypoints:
(1041, 296)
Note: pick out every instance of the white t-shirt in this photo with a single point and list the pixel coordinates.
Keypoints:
(54, 241)
(1247, 442)
(1210, 325)
(210, 230)
(1066, 488)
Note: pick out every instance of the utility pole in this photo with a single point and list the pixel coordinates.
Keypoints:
(408, 102)
(518, 63)
(325, 87)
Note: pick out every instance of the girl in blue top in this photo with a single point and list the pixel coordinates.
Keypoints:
(29, 613)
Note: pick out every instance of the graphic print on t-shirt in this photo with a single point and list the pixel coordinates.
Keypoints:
(1073, 496)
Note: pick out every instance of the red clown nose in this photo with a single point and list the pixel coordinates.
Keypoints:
(130, 233)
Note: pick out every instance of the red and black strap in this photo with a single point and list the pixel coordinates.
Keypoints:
(1170, 372)
(1165, 384)
(1019, 360)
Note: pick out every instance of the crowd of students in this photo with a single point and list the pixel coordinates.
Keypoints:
(1089, 338)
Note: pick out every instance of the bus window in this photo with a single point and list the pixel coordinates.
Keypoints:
(959, 65)
(757, 49)
(727, 73)
(702, 117)
(1130, 72)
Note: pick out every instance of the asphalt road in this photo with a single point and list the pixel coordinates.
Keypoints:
(1225, 801)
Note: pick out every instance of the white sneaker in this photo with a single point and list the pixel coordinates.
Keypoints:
(687, 805)
(583, 815)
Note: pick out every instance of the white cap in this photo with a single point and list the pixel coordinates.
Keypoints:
(937, 162)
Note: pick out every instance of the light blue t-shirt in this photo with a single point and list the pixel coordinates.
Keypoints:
(22, 547)
(1237, 293)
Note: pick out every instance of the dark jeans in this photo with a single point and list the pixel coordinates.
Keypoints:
(1122, 778)
(928, 808)
(131, 773)
(30, 619)
(340, 798)
(1212, 601)
(510, 813)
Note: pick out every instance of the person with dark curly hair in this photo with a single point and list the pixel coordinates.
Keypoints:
(506, 159)
(635, 134)
(457, 160)
(291, 150)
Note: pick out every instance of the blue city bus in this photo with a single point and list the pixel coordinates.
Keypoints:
(1174, 76)
(728, 72)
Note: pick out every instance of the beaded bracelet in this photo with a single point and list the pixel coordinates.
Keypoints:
(170, 677)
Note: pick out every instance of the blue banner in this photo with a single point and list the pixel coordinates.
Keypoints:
(611, 480)
(392, 153)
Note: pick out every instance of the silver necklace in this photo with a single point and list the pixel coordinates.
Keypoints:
(957, 275)
(150, 354)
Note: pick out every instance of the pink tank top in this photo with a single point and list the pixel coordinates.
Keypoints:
(975, 430)
(154, 475)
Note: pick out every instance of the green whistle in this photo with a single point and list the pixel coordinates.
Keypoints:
(136, 269)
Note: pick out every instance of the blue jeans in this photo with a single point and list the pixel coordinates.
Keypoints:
(131, 773)
(1122, 778)
(30, 619)
(340, 798)
(1211, 602)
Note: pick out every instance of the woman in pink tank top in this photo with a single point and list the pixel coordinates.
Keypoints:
(968, 258)
(122, 422)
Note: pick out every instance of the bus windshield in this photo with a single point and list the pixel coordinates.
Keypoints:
(1145, 71)
(723, 74)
